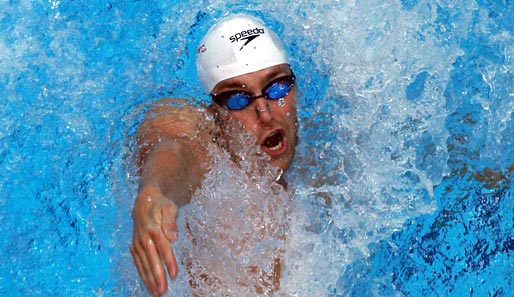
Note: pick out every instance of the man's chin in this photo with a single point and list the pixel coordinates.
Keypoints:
(283, 163)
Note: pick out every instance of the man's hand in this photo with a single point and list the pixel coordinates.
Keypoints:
(155, 230)
(172, 159)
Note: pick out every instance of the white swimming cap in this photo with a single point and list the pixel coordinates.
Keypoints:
(237, 45)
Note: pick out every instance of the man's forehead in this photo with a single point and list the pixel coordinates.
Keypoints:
(263, 75)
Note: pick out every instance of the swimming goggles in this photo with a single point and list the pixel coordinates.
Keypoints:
(237, 99)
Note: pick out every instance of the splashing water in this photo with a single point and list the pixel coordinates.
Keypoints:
(401, 183)
(235, 227)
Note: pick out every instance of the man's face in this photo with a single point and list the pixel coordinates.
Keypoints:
(273, 122)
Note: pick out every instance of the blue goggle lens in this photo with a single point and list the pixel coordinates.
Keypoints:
(237, 100)
(278, 90)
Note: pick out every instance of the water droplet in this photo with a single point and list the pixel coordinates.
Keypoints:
(281, 102)
(280, 172)
(288, 114)
(149, 198)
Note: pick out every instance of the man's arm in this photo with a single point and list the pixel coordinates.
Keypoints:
(172, 162)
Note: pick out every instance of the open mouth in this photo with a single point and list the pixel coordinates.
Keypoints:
(274, 144)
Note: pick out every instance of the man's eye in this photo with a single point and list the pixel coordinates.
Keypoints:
(278, 90)
(238, 101)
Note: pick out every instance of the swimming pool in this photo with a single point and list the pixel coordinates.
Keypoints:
(404, 171)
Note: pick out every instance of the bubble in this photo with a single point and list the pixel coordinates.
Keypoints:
(248, 219)
(281, 102)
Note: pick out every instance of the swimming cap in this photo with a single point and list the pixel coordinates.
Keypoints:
(237, 45)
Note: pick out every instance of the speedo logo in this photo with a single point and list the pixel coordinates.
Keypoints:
(247, 36)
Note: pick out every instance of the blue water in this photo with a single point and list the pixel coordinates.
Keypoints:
(404, 169)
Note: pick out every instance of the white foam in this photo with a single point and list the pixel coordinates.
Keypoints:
(380, 158)
(389, 151)
(238, 221)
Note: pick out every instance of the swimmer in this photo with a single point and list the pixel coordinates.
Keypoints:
(243, 66)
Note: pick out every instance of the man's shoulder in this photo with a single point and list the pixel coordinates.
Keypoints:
(175, 117)
(176, 108)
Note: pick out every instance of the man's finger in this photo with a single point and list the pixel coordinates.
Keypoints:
(144, 268)
(137, 261)
(155, 264)
(168, 223)
(168, 256)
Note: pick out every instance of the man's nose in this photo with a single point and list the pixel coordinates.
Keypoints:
(263, 111)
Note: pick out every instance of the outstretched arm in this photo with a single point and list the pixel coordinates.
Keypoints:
(172, 161)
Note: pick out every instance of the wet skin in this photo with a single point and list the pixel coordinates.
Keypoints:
(275, 125)
(174, 159)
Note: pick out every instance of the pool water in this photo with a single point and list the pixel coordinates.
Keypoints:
(403, 176)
